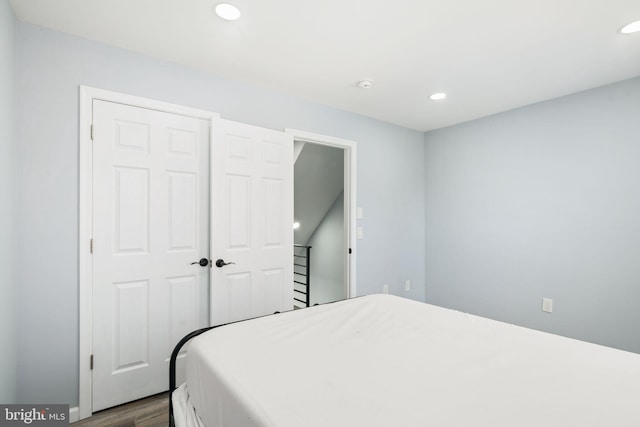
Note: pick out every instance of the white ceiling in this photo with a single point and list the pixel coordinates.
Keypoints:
(489, 56)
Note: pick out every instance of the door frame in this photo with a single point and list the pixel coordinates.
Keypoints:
(350, 162)
(85, 266)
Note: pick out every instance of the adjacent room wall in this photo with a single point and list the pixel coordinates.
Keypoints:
(49, 68)
(542, 201)
(327, 256)
(7, 301)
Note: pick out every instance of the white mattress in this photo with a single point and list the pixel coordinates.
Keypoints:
(386, 361)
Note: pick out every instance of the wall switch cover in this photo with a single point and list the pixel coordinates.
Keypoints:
(359, 213)
(359, 233)
(547, 305)
(407, 285)
(385, 288)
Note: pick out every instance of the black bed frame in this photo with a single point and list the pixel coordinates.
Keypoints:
(183, 341)
(172, 366)
(174, 358)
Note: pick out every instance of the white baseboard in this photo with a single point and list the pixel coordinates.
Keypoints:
(74, 414)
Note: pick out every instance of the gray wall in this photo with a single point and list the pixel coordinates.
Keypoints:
(7, 333)
(51, 66)
(327, 256)
(318, 178)
(542, 201)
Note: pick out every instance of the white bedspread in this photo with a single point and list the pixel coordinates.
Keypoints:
(384, 361)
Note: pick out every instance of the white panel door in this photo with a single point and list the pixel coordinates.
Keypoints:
(251, 222)
(150, 222)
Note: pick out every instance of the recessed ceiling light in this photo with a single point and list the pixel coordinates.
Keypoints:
(438, 96)
(365, 84)
(634, 27)
(227, 11)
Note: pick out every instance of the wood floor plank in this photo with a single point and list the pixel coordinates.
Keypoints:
(150, 412)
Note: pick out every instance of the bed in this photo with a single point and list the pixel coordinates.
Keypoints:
(382, 360)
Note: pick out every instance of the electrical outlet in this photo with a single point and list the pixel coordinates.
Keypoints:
(547, 305)
(407, 285)
(385, 288)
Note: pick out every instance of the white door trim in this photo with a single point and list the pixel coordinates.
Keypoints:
(350, 162)
(85, 272)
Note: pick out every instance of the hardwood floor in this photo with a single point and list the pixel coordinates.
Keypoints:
(150, 412)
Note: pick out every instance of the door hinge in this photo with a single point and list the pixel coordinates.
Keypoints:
(91, 245)
(91, 362)
(92, 131)
(349, 250)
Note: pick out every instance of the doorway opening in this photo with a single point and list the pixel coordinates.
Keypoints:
(324, 201)
(319, 261)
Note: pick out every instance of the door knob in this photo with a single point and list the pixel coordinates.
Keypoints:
(203, 262)
(220, 263)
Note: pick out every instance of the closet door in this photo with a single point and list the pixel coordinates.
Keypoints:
(251, 222)
(150, 223)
